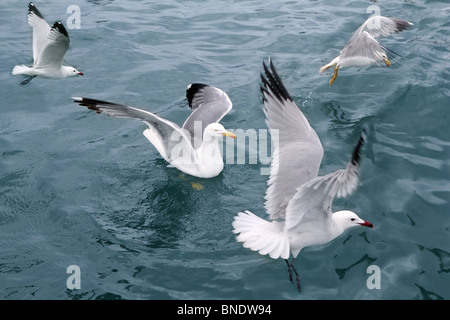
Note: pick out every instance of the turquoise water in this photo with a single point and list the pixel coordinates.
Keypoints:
(82, 189)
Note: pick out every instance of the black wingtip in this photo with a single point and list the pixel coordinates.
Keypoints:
(401, 25)
(58, 25)
(85, 102)
(90, 103)
(271, 80)
(356, 155)
(32, 9)
(192, 90)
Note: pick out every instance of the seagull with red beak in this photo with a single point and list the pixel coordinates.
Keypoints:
(50, 44)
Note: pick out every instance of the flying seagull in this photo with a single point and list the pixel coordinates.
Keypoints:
(362, 49)
(193, 148)
(50, 44)
(298, 201)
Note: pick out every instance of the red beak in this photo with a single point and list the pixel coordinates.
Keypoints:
(367, 224)
(80, 73)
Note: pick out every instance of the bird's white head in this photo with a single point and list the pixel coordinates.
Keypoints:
(214, 130)
(346, 219)
(71, 71)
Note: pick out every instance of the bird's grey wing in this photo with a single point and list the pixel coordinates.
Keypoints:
(209, 105)
(169, 133)
(313, 200)
(41, 30)
(363, 44)
(297, 151)
(52, 53)
(383, 26)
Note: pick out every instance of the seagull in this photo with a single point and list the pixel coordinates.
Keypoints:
(298, 201)
(49, 47)
(193, 148)
(362, 49)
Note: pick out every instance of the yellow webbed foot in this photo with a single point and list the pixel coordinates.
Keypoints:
(335, 74)
(197, 186)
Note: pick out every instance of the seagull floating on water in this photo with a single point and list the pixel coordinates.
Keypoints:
(49, 47)
(362, 49)
(193, 148)
(298, 201)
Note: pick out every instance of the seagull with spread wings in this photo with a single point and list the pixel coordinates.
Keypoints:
(363, 49)
(50, 44)
(298, 201)
(194, 148)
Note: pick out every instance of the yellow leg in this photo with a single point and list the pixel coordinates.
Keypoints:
(335, 74)
(388, 63)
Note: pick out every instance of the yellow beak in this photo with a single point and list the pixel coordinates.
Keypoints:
(229, 134)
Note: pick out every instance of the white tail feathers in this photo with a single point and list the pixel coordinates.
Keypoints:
(266, 237)
(333, 64)
(20, 69)
(325, 67)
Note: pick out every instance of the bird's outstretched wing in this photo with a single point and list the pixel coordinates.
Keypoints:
(297, 150)
(313, 200)
(41, 30)
(165, 134)
(53, 51)
(383, 26)
(209, 105)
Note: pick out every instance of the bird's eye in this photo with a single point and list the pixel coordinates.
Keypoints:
(353, 219)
